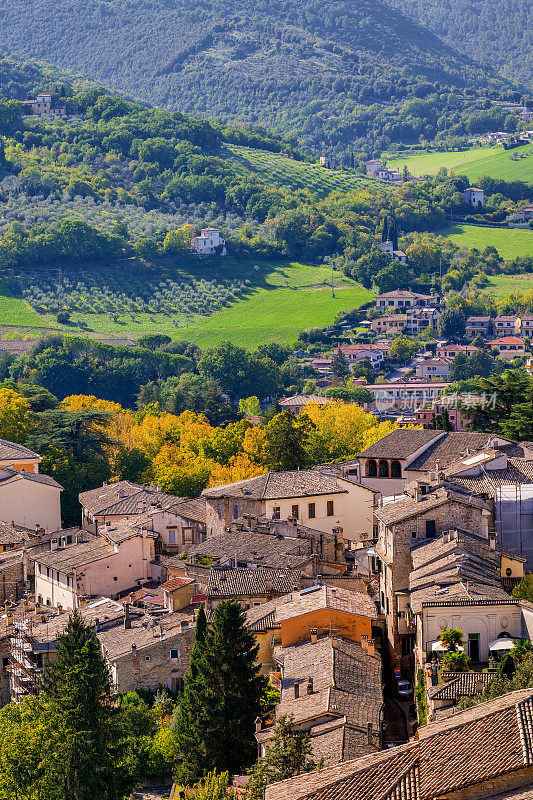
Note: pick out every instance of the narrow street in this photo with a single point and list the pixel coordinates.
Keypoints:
(395, 720)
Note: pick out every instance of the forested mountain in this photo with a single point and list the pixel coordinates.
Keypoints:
(311, 70)
(496, 34)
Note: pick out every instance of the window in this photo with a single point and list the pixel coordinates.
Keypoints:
(235, 510)
(176, 684)
(40, 570)
(147, 658)
(219, 510)
(383, 469)
(115, 578)
(174, 654)
(372, 469)
(68, 580)
(408, 645)
(295, 511)
(311, 511)
(276, 512)
(395, 469)
(47, 572)
(5, 663)
(431, 530)
(388, 605)
(69, 539)
(172, 537)
(329, 508)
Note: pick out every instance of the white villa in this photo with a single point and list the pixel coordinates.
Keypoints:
(207, 242)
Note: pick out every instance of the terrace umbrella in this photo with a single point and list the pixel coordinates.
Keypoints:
(502, 645)
(438, 647)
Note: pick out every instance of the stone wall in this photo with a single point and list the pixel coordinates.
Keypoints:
(133, 671)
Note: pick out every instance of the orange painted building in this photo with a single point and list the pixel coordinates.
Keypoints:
(18, 457)
(325, 620)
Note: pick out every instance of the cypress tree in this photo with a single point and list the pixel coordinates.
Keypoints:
(214, 725)
(77, 687)
(385, 230)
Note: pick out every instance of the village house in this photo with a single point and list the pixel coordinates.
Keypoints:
(424, 513)
(525, 328)
(474, 197)
(322, 366)
(459, 420)
(108, 564)
(373, 166)
(456, 582)
(505, 325)
(405, 455)
(524, 214)
(405, 395)
(403, 299)
(329, 162)
(319, 501)
(453, 686)
(394, 324)
(19, 458)
(396, 255)
(143, 651)
(178, 593)
(478, 326)
(434, 368)
(298, 402)
(331, 687)
(361, 352)
(509, 347)
(482, 753)
(29, 499)
(209, 242)
(452, 350)
(418, 319)
(43, 106)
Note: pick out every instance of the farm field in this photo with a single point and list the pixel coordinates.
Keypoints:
(501, 285)
(493, 161)
(509, 242)
(280, 300)
(284, 171)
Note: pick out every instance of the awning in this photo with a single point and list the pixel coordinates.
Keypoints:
(438, 647)
(502, 644)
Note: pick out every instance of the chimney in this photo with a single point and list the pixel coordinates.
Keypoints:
(258, 724)
(127, 618)
(334, 642)
(9, 618)
(296, 691)
(314, 635)
(60, 608)
(364, 641)
(134, 649)
(371, 649)
(309, 685)
(96, 624)
(492, 540)
(37, 608)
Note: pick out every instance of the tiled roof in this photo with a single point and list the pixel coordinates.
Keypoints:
(400, 443)
(473, 746)
(400, 510)
(194, 509)
(11, 450)
(277, 485)
(450, 448)
(517, 471)
(146, 631)
(125, 497)
(303, 399)
(124, 529)
(254, 548)
(10, 535)
(76, 555)
(462, 684)
(176, 583)
(346, 684)
(231, 582)
(34, 477)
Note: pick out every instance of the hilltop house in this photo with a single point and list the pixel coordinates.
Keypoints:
(396, 255)
(474, 196)
(43, 106)
(509, 347)
(403, 298)
(478, 326)
(209, 242)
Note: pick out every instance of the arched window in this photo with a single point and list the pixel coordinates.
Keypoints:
(383, 469)
(395, 469)
(372, 469)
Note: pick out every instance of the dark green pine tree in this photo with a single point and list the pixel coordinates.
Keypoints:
(215, 723)
(88, 757)
(199, 641)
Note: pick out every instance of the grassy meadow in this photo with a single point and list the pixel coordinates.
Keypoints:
(284, 298)
(509, 242)
(493, 161)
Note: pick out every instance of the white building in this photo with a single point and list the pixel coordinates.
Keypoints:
(474, 197)
(397, 255)
(208, 241)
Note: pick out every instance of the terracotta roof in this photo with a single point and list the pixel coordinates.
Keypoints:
(72, 556)
(303, 399)
(278, 485)
(176, 583)
(11, 450)
(517, 471)
(472, 746)
(400, 443)
(231, 582)
(254, 548)
(507, 340)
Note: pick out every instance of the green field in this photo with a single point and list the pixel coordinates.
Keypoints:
(501, 285)
(283, 171)
(509, 242)
(285, 298)
(510, 165)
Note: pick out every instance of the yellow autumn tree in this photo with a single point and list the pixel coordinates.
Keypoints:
(16, 416)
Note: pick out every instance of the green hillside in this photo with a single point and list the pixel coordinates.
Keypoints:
(497, 34)
(325, 72)
(509, 165)
(502, 285)
(283, 171)
(282, 299)
(509, 242)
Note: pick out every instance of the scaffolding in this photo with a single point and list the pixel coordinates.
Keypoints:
(513, 507)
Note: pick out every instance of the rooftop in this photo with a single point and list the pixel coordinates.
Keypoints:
(400, 443)
(11, 450)
(451, 447)
(8, 476)
(254, 548)
(235, 582)
(66, 559)
(276, 486)
(125, 497)
(472, 746)
(392, 513)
